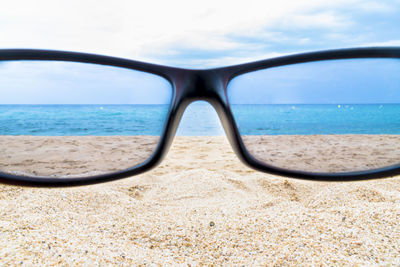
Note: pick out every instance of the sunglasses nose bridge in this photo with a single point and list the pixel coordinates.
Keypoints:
(210, 86)
(201, 85)
(191, 86)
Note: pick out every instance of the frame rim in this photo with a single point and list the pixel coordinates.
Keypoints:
(337, 54)
(54, 55)
(190, 85)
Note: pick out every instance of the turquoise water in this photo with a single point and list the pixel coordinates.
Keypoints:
(80, 120)
(318, 119)
(59, 120)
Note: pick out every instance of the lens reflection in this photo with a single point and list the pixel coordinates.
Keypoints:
(64, 119)
(326, 116)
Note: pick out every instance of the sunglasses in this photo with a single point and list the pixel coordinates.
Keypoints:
(71, 118)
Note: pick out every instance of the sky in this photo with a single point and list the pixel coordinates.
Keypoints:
(198, 34)
(50, 82)
(349, 81)
(193, 34)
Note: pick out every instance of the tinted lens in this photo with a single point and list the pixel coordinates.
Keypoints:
(325, 116)
(64, 119)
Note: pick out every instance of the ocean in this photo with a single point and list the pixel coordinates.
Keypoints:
(200, 119)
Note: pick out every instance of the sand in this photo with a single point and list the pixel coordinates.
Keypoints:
(201, 206)
(73, 156)
(326, 153)
(69, 156)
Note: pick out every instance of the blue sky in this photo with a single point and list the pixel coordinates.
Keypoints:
(350, 81)
(195, 34)
(49, 82)
(198, 34)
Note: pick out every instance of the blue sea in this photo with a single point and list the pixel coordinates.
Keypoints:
(199, 119)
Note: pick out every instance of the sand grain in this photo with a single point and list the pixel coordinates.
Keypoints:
(203, 207)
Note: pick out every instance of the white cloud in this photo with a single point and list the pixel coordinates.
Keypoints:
(228, 60)
(376, 7)
(384, 43)
(147, 30)
(324, 20)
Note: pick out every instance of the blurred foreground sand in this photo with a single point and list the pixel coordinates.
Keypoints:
(202, 206)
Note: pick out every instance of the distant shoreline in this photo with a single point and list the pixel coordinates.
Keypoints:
(199, 119)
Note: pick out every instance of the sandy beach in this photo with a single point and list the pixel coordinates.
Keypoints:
(75, 156)
(69, 156)
(201, 206)
(326, 153)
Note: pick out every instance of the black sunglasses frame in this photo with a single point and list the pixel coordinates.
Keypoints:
(209, 85)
